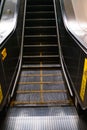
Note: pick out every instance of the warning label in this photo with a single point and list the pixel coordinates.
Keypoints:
(84, 81)
(1, 95)
(4, 54)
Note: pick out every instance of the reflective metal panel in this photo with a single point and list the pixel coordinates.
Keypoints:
(8, 19)
(75, 19)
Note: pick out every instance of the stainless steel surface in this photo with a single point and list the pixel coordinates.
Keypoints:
(1, 5)
(75, 19)
(41, 88)
(46, 118)
(8, 19)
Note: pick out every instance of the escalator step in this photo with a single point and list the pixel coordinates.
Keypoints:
(37, 38)
(39, 91)
(35, 103)
(41, 88)
(33, 8)
(42, 56)
(36, 53)
(41, 50)
(36, 59)
(39, 22)
(41, 45)
(40, 30)
(39, 2)
(38, 66)
(40, 15)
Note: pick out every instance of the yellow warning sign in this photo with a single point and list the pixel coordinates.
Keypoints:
(84, 80)
(1, 95)
(4, 53)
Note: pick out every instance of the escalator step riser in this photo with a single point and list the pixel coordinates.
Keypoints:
(40, 59)
(27, 50)
(37, 66)
(39, 2)
(34, 8)
(41, 43)
(39, 22)
(46, 103)
(40, 39)
(26, 62)
(39, 15)
(40, 31)
(35, 53)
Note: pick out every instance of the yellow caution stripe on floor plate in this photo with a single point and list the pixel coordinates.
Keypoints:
(1, 95)
(84, 81)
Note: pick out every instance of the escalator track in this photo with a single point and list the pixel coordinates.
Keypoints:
(41, 81)
(41, 100)
(41, 87)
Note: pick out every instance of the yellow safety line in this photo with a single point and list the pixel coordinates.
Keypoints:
(41, 91)
(41, 80)
(26, 83)
(47, 102)
(31, 75)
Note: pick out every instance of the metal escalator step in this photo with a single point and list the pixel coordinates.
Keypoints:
(46, 75)
(39, 91)
(43, 75)
(42, 97)
(37, 66)
(42, 56)
(49, 77)
(41, 88)
(35, 59)
(41, 51)
(40, 12)
(40, 15)
(39, 2)
(59, 102)
(43, 38)
(36, 53)
(40, 30)
(25, 83)
(40, 27)
(34, 64)
(38, 43)
(26, 45)
(39, 48)
(40, 22)
(34, 8)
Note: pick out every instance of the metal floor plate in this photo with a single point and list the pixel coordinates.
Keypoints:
(43, 118)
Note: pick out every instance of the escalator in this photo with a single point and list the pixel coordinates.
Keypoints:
(41, 81)
(41, 99)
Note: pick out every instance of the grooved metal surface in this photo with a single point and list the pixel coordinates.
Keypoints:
(47, 118)
(41, 87)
